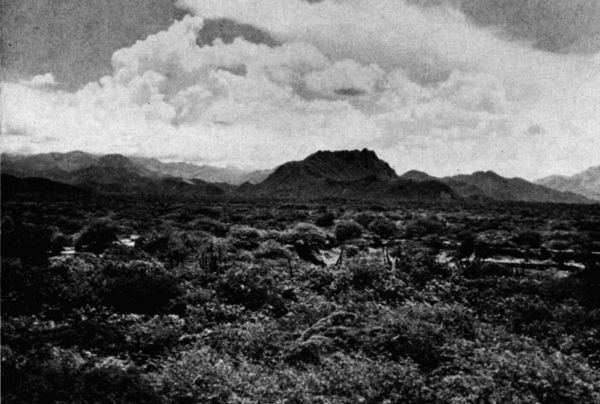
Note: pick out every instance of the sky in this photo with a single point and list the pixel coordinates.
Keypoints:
(442, 86)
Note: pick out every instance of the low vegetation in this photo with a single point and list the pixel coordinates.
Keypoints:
(114, 300)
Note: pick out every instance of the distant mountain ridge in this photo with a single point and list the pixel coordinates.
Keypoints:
(357, 174)
(229, 175)
(54, 166)
(586, 183)
(61, 166)
(111, 173)
(488, 185)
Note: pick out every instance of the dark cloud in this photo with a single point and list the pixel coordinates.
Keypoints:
(75, 39)
(562, 26)
(228, 30)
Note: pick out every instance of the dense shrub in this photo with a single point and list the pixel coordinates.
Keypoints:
(64, 377)
(529, 239)
(351, 251)
(252, 288)
(244, 237)
(307, 232)
(325, 220)
(271, 249)
(478, 269)
(208, 376)
(54, 289)
(422, 227)
(366, 275)
(159, 323)
(139, 287)
(347, 230)
(364, 218)
(97, 236)
(211, 226)
(172, 245)
(514, 371)
(405, 337)
(30, 242)
(383, 228)
(421, 264)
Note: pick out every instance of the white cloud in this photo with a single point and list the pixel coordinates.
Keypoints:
(433, 45)
(41, 80)
(423, 86)
(345, 78)
(231, 103)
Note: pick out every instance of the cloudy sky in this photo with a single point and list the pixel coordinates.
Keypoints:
(443, 86)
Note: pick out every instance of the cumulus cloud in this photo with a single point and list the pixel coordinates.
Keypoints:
(226, 103)
(431, 45)
(424, 86)
(41, 80)
(345, 78)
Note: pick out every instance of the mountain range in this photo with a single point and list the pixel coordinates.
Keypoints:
(487, 185)
(353, 174)
(61, 166)
(586, 183)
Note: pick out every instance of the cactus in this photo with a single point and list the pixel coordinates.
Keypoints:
(212, 257)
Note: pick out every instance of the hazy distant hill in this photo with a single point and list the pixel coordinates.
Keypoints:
(111, 173)
(61, 166)
(230, 175)
(118, 174)
(54, 166)
(484, 185)
(350, 174)
(586, 183)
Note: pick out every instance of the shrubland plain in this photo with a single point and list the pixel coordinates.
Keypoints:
(122, 299)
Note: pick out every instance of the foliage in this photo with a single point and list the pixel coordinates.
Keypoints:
(271, 249)
(383, 228)
(138, 287)
(97, 236)
(425, 319)
(325, 220)
(307, 232)
(423, 227)
(347, 230)
(65, 377)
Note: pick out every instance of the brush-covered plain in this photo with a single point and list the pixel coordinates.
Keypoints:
(119, 299)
